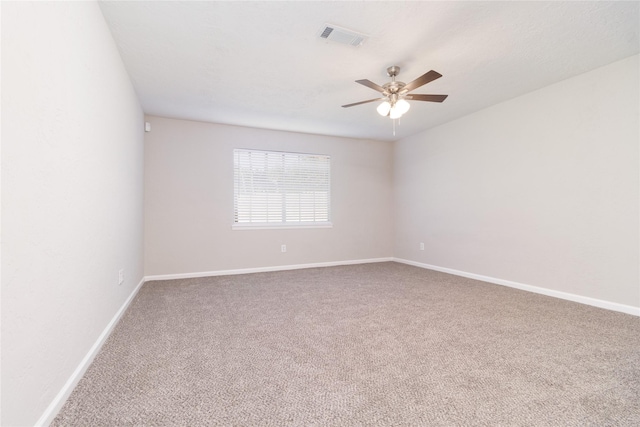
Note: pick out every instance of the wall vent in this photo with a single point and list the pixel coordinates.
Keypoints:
(341, 35)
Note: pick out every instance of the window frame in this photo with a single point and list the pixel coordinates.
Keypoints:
(282, 224)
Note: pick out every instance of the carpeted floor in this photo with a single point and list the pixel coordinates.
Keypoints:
(374, 344)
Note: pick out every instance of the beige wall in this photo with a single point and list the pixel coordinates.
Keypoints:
(542, 189)
(189, 200)
(72, 191)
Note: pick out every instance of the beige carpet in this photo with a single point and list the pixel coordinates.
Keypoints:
(376, 344)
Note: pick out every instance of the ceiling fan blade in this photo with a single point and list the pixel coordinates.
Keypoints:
(372, 85)
(361, 102)
(430, 98)
(422, 80)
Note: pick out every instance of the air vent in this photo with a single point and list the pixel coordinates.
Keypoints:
(341, 35)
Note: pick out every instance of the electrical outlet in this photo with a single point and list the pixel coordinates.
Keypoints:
(283, 248)
(121, 276)
(422, 246)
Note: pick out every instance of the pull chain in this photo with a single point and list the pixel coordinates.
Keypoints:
(394, 125)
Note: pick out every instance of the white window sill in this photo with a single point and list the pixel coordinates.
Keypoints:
(273, 226)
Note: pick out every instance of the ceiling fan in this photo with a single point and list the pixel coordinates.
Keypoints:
(397, 93)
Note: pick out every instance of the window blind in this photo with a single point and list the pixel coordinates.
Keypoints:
(278, 188)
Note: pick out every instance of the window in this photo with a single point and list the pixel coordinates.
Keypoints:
(276, 189)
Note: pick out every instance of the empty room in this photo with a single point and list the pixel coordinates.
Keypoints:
(288, 213)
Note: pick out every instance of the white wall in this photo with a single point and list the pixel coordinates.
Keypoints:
(542, 189)
(189, 200)
(72, 196)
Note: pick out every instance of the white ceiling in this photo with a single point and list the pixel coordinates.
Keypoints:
(262, 64)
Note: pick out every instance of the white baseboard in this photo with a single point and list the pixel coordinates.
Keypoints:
(628, 309)
(57, 403)
(262, 269)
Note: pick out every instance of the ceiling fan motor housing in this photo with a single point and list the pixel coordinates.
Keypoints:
(393, 88)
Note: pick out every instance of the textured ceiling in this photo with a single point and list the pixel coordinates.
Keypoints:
(262, 64)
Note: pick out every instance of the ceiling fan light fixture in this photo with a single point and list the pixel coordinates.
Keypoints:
(383, 109)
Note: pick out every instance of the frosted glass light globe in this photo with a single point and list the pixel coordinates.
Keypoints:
(383, 109)
(402, 106)
(395, 113)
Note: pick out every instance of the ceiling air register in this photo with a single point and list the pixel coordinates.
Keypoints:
(342, 35)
